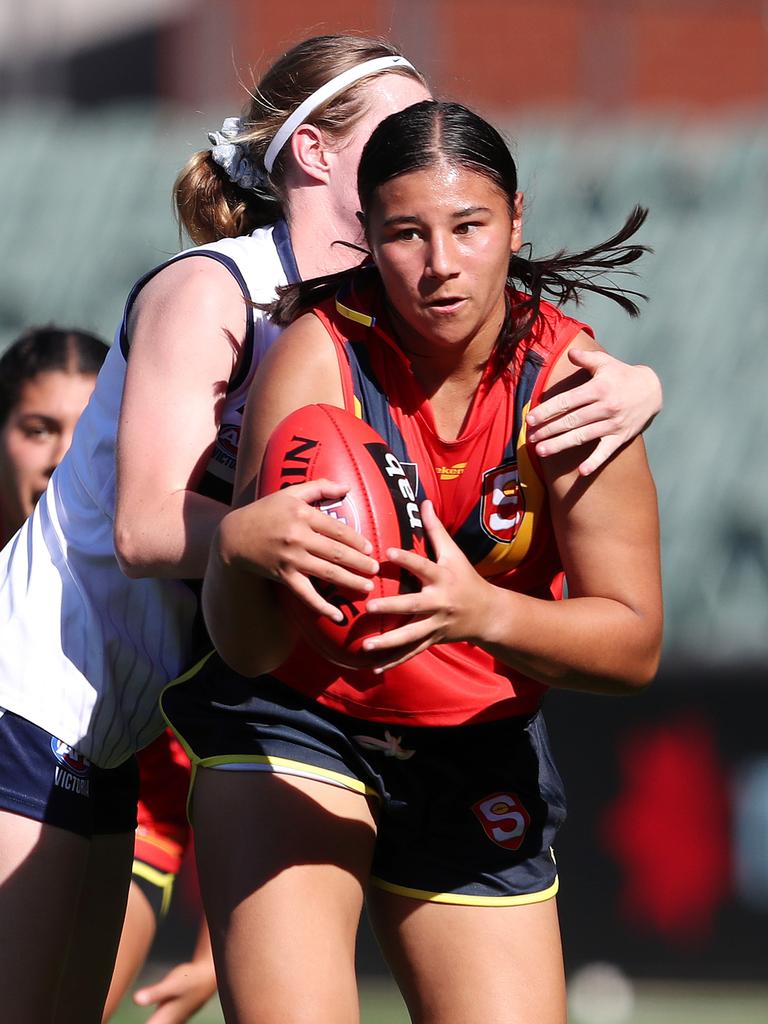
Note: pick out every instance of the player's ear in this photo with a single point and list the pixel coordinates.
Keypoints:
(517, 223)
(309, 152)
(363, 222)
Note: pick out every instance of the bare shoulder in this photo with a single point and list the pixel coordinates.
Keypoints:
(193, 288)
(300, 369)
(562, 375)
(304, 353)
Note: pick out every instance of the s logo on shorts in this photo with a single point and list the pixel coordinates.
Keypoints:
(504, 819)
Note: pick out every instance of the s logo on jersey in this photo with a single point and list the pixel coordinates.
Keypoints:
(504, 819)
(502, 505)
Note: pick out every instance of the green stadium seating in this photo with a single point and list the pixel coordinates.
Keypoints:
(86, 210)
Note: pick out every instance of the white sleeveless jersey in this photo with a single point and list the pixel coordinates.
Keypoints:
(85, 651)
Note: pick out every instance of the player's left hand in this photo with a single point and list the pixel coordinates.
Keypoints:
(616, 405)
(180, 994)
(451, 606)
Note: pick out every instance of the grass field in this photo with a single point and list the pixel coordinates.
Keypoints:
(654, 1004)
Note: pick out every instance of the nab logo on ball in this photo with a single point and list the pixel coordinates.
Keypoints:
(403, 491)
(504, 819)
(503, 502)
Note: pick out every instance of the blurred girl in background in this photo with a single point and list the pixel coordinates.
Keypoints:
(46, 379)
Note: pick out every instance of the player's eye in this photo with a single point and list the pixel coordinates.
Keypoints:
(466, 227)
(37, 431)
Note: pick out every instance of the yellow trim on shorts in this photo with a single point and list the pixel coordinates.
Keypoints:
(468, 901)
(194, 760)
(307, 770)
(176, 682)
(162, 879)
(275, 763)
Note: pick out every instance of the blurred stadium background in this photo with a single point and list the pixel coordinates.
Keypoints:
(664, 864)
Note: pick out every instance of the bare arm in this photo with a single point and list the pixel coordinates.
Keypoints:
(605, 638)
(186, 332)
(280, 538)
(615, 404)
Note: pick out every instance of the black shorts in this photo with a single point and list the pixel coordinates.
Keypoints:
(47, 780)
(466, 814)
(156, 885)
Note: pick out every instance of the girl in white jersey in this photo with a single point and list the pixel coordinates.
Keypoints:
(94, 615)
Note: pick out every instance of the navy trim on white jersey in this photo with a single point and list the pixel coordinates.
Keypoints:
(281, 236)
(85, 650)
(232, 267)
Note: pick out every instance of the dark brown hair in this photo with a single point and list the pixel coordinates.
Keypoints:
(422, 135)
(42, 349)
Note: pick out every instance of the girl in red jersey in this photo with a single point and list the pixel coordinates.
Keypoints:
(424, 785)
(131, 512)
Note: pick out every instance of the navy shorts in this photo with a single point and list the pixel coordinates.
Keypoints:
(466, 814)
(157, 887)
(44, 779)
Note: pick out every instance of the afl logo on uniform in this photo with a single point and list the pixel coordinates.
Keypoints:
(504, 819)
(228, 439)
(69, 757)
(502, 504)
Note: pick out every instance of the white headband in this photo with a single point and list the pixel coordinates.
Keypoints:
(325, 92)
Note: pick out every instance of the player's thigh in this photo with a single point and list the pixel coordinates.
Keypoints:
(283, 864)
(473, 964)
(41, 872)
(136, 939)
(96, 930)
(157, 858)
(45, 828)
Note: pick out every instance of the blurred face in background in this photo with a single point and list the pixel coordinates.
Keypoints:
(34, 438)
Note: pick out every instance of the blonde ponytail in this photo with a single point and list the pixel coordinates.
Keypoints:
(209, 206)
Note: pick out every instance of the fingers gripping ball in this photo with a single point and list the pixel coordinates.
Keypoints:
(321, 441)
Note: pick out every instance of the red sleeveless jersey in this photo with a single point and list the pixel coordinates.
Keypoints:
(486, 491)
(163, 830)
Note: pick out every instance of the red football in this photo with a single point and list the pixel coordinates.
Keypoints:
(321, 441)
